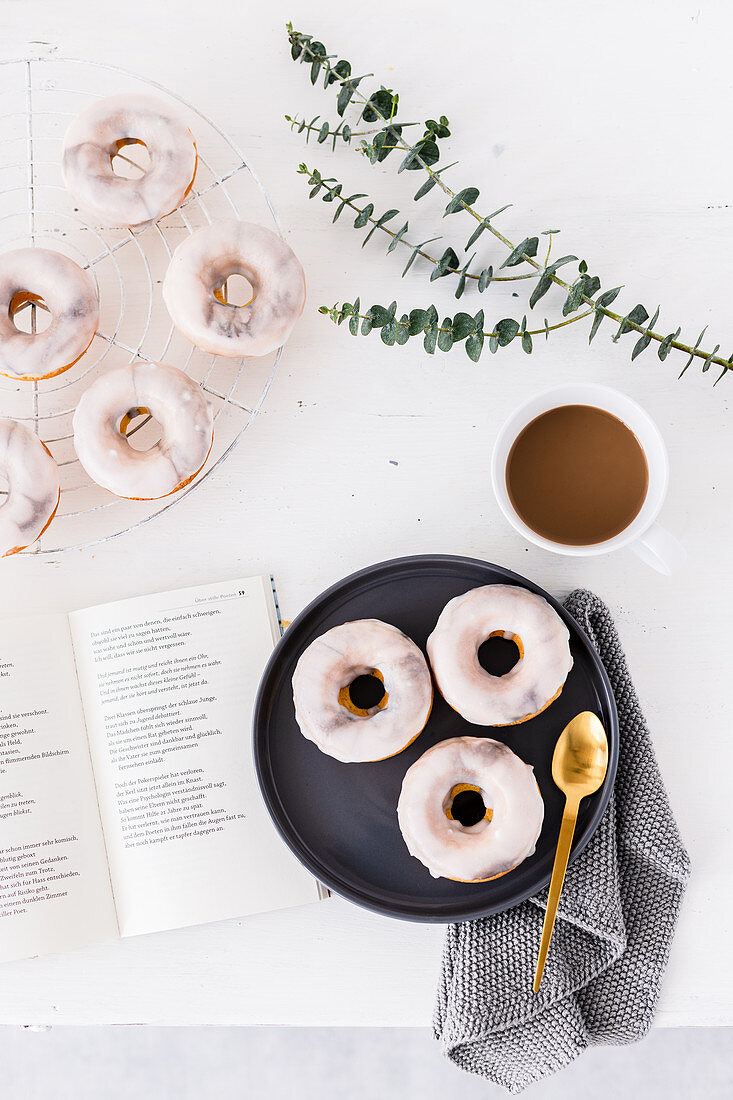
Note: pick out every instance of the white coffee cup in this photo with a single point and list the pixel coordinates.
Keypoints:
(650, 541)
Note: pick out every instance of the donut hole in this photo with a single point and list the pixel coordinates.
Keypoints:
(467, 806)
(235, 290)
(499, 654)
(29, 313)
(141, 429)
(134, 162)
(365, 695)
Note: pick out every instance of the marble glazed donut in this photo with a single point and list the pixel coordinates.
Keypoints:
(70, 295)
(179, 405)
(500, 840)
(514, 613)
(202, 263)
(332, 662)
(97, 135)
(33, 492)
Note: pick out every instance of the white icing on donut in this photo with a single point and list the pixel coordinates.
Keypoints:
(98, 133)
(70, 295)
(199, 267)
(466, 622)
(179, 405)
(332, 662)
(491, 847)
(33, 493)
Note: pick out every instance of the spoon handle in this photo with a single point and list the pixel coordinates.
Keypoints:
(564, 844)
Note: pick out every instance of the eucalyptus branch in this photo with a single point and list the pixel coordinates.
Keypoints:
(331, 190)
(326, 130)
(423, 155)
(462, 328)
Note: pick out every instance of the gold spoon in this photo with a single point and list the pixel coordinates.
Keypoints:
(579, 766)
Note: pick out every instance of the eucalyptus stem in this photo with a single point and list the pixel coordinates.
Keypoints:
(423, 155)
(335, 312)
(333, 193)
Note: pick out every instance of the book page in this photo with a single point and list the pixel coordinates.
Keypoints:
(168, 684)
(55, 889)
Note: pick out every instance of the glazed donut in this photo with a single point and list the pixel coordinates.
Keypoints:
(514, 613)
(176, 401)
(70, 295)
(200, 266)
(323, 707)
(97, 135)
(500, 840)
(33, 492)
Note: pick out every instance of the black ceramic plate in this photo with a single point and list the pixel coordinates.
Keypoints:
(340, 820)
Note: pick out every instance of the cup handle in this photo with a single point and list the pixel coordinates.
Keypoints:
(659, 549)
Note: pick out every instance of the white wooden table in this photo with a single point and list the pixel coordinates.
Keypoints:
(613, 127)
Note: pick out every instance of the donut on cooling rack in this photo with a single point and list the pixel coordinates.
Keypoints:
(103, 416)
(101, 131)
(192, 289)
(324, 709)
(66, 291)
(510, 612)
(33, 487)
(487, 843)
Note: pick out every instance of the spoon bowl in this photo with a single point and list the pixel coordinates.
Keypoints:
(580, 760)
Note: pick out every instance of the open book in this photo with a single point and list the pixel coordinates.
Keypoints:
(128, 799)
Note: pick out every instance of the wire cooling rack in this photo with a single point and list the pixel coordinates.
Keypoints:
(38, 99)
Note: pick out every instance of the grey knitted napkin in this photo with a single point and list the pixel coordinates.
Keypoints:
(613, 932)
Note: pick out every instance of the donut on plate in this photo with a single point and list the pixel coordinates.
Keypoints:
(103, 415)
(324, 709)
(192, 289)
(511, 612)
(513, 810)
(67, 291)
(33, 487)
(101, 131)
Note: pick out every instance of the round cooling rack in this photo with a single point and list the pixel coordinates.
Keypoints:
(39, 97)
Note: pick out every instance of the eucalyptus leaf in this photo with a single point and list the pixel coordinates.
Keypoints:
(541, 287)
(418, 321)
(597, 319)
(474, 346)
(608, 296)
(354, 321)
(574, 298)
(637, 316)
(379, 105)
(463, 326)
(506, 330)
(397, 238)
(403, 330)
(389, 333)
(380, 316)
(445, 335)
(640, 345)
(464, 198)
(528, 247)
(666, 345)
(363, 216)
(423, 190)
(485, 278)
(708, 361)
